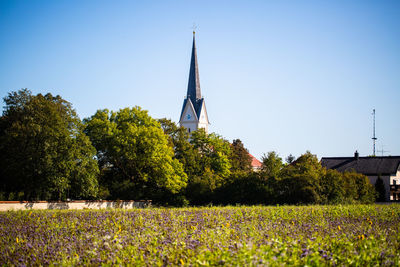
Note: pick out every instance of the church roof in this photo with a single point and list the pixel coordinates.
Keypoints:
(371, 166)
(197, 106)
(193, 90)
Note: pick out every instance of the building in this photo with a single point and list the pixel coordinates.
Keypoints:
(256, 165)
(194, 113)
(388, 168)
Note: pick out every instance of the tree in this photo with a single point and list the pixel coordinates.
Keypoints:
(300, 182)
(214, 153)
(44, 153)
(271, 165)
(213, 166)
(183, 149)
(359, 188)
(289, 159)
(245, 189)
(134, 154)
(333, 187)
(239, 157)
(380, 190)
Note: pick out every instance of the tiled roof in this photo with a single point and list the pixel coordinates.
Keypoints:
(366, 165)
(255, 163)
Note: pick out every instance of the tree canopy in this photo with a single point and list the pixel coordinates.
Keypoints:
(47, 153)
(44, 153)
(239, 157)
(134, 153)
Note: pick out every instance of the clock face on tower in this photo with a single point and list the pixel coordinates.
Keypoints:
(188, 116)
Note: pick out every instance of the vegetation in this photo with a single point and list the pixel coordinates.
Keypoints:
(133, 154)
(239, 157)
(44, 153)
(48, 153)
(380, 189)
(354, 235)
(304, 181)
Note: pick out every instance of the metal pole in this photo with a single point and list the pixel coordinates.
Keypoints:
(374, 138)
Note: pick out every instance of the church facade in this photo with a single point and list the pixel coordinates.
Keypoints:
(194, 112)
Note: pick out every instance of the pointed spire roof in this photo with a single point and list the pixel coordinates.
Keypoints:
(193, 91)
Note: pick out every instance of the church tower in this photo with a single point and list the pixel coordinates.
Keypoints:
(194, 113)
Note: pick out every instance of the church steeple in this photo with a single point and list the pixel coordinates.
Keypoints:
(194, 114)
(193, 91)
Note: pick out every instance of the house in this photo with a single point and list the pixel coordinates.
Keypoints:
(255, 163)
(388, 168)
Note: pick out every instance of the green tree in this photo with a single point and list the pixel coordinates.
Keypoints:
(134, 154)
(214, 153)
(239, 157)
(213, 166)
(359, 188)
(289, 159)
(300, 181)
(333, 187)
(183, 149)
(44, 153)
(245, 189)
(271, 165)
(380, 190)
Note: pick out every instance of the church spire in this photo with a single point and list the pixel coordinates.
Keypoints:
(194, 114)
(193, 91)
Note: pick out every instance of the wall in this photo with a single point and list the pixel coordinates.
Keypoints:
(387, 180)
(78, 205)
(192, 125)
(395, 178)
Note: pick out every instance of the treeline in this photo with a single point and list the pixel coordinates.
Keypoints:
(48, 153)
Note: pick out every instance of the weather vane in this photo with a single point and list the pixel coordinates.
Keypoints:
(194, 27)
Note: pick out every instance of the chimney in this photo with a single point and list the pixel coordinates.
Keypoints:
(356, 155)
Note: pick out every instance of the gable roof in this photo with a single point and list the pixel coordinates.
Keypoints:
(371, 166)
(255, 163)
(188, 102)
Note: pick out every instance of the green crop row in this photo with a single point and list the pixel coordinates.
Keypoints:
(353, 235)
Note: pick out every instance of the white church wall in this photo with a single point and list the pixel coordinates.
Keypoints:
(203, 115)
(204, 126)
(190, 125)
(188, 114)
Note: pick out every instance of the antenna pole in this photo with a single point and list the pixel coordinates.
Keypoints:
(374, 137)
(382, 151)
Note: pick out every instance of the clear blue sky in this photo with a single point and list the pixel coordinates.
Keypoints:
(287, 76)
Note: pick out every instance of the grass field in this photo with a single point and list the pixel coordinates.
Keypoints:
(356, 235)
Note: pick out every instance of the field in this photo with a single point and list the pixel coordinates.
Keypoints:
(288, 235)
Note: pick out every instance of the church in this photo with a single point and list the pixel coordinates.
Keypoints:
(194, 113)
